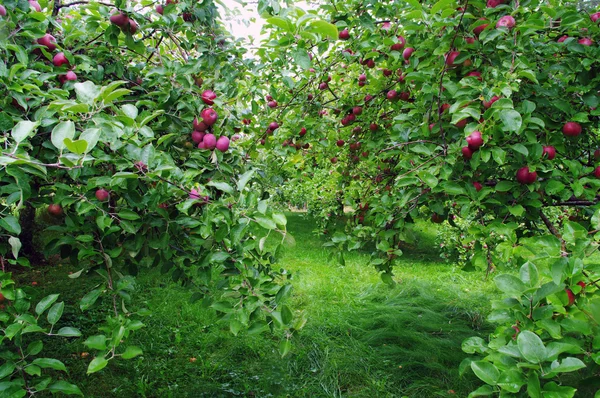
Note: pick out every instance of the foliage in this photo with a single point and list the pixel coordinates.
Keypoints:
(482, 111)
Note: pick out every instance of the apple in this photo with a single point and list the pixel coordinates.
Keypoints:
(494, 3)
(2, 11)
(197, 136)
(35, 5)
(399, 45)
(470, 40)
(209, 141)
(461, 123)
(357, 110)
(344, 35)
(478, 186)
(160, 9)
(451, 56)
(478, 29)
(368, 98)
(71, 76)
(431, 126)
(340, 143)
(209, 116)
(2, 298)
(524, 176)
(323, 86)
(373, 127)
(437, 218)
(131, 27)
(404, 96)
(586, 41)
(571, 129)
(371, 63)
(562, 38)
(47, 41)
(392, 95)
(208, 97)
(102, 195)
(580, 283)
(222, 144)
(475, 74)
(334, 160)
(474, 140)
(268, 98)
(488, 104)
(506, 21)
(273, 126)
(194, 194)
(200, 126)
(549, 152)
(466, 152)
(597, 154)
(272, 104)
(120, 19)
(570, 296)
(362, 78)
(443, 108)
(60, 59)
(407, 53)
(54, 209)
(595, 17)
(597, 172)
(302, 132)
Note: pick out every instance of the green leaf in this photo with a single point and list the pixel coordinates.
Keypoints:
(511, 380)
(474, 345)
(97, 365)
(243, 180)
(440, 5)
(482, 391)
(301, 58)
(323, 28)
(56, 312)
(65, 388)
(235, 326)
(22, 130)
(132, 352)
(49, 363)
(529, 274)
(60, 132)
(510, 284)
(15, 245)
(78, 147)
(531, 346)
(11, 224)
(68, 332)
(221, 186)
(569, 364)
(89, 299)
(86, 92)
(511, 119)
(7, 369)
(45, 303)
(486, 372)
(97, 342)
(265, 222)
(222, 306)
(128, 215)
(34, 348)
(281, 22)
(554, 186)
(285, 347)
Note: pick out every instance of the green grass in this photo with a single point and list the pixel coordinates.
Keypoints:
(362, 338)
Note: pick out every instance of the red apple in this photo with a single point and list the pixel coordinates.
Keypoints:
(373, 127)
(478, 29)
(467, 153)
(571, 129)
(60, 59)
(222, 144)
(407, 53)
(2, 14)
(273, 126)
(209, 116)
(597, 172)
(474, 140)
(570, 296)
(47, 41)
(470, 40)
(586, 41)
(451, 56)
(160, 9)
(272, 104)
(54, 209)
(562, 38)
(333, 160)
(102, 195)
(478, 186)
(461, 123)
(323, 86)
(524, 176)
(475, 74)
(488, 104)
(210, 141)
(208, 97)
(506, 21)
(595, 17)
(302, 132)
(437, 218)
(35, 5)
(200, 126)
(392, 95)
(549, 152)
(197, 136)
(494, 3)
(340, 143)
(344, 35)
(399, 45)
(120, 19)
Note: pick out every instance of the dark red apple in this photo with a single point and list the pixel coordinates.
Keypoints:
(362, 78)
(466, 152)
(478, 186)
(524, 176)
(407, 53)
(200, 126)
(478, 29)
(373, 127)
(549, 152)
(273, 126)
(54, 209)
(2, 11)
(102, 195)
(488, 104)
(474, 140)
(451, 56)
(357, 110)
(340, 143)
(197, 136)
(470, 40)
(586, 41)
(475, 74)
(344, 35)
(323, 86)
(570, 296)
(120, 19)
(160, 9)
(272, 104)
(562, 38)
(392, 95)
(302, 132)
(571, 129)
(494, 3)
(399, 45)
(209, 117)
(209, 141)
(595, 17)
(597, 172)
(334, 160)
(208, 97)
(437, 218)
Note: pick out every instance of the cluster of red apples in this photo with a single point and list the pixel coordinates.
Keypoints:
(201, 135)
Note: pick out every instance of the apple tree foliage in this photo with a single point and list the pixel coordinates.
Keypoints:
(99, 103)
(483, 113)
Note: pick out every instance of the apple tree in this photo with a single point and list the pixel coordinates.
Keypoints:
(472, 112)
(122, 121)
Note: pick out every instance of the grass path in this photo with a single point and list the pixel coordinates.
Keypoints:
(362, 339)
